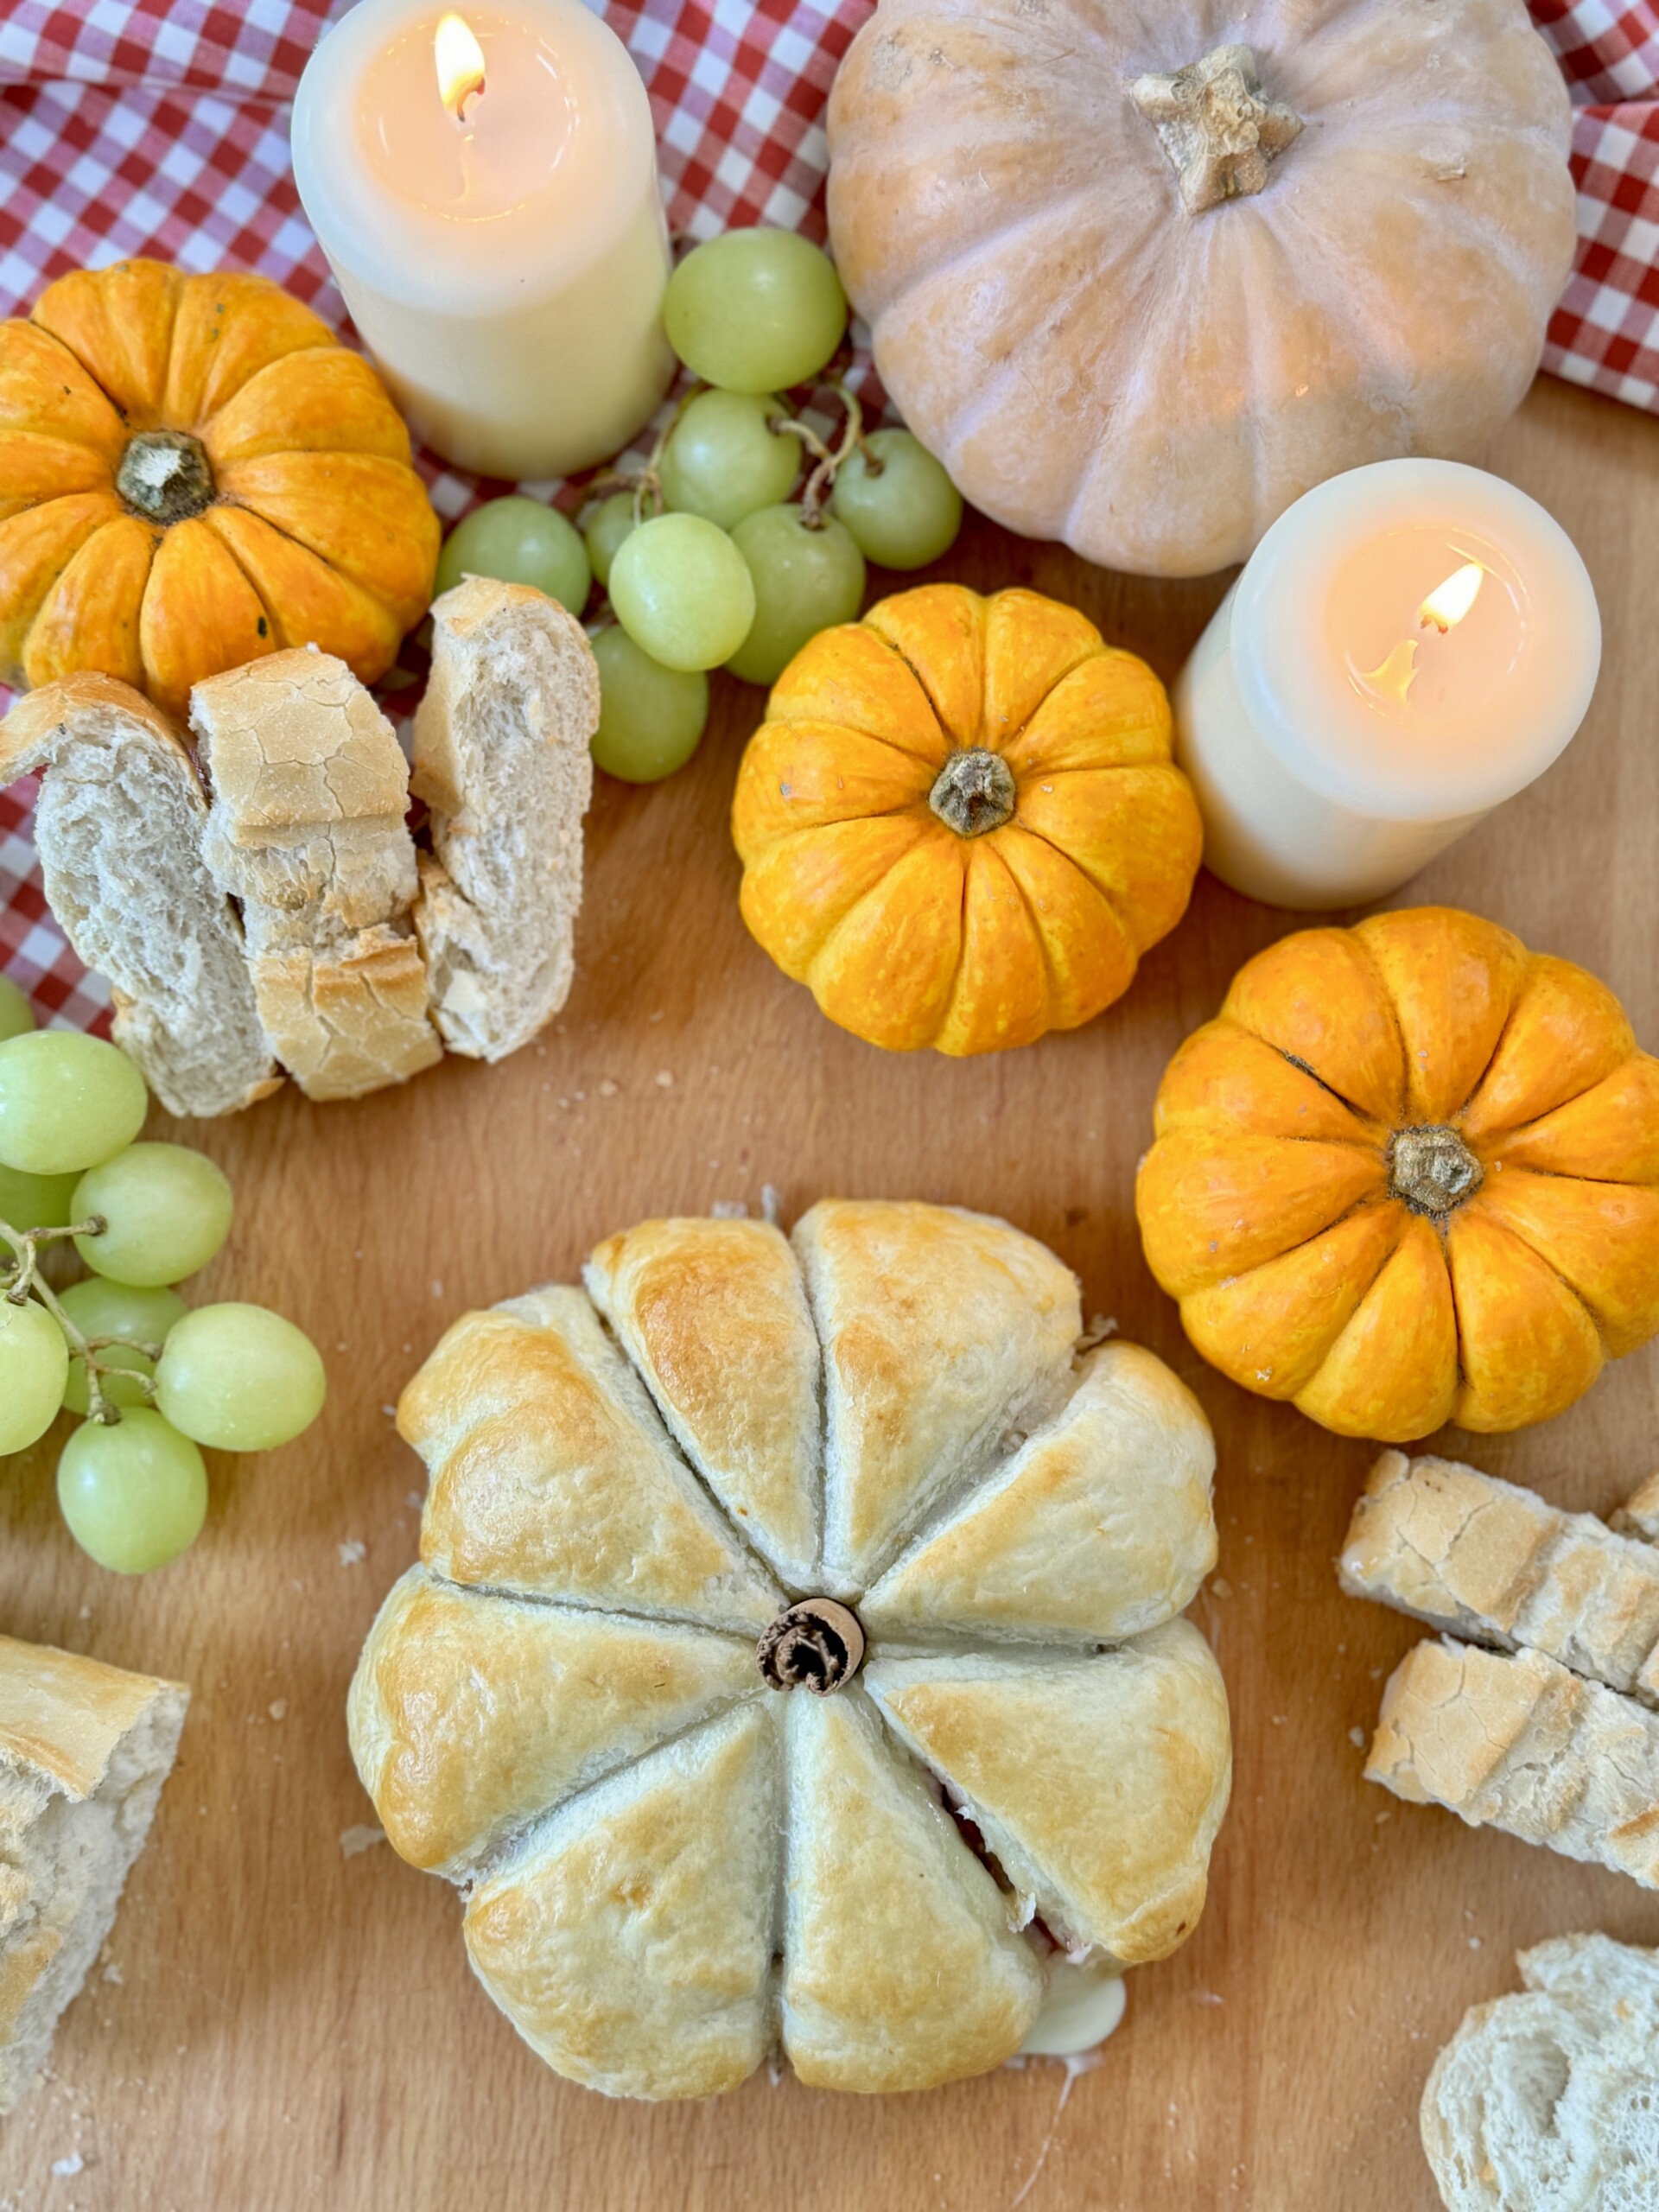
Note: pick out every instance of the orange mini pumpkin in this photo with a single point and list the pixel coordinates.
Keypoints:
(1409, 1175)
(193, 472)
(960, 824)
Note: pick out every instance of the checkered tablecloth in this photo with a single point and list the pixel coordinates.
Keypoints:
(161, 127)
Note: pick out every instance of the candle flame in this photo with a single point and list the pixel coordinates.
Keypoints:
(1448, 603)
(460, 60)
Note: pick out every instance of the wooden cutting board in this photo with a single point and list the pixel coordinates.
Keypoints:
(283, 2024)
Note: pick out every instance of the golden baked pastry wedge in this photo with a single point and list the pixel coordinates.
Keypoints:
(943, 1330)
(550, 1472)
(713, 1313)
(471, 1713)
(1099, 1526)
(631, 1941)
(1099, 1783)
(903, 1968)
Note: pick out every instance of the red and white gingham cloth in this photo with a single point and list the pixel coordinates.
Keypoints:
(161, 127)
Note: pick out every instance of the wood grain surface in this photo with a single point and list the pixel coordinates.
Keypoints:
(282, 2025)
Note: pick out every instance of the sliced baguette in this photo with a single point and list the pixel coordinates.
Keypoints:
(502, 762)
(84, 1752)
(1639, 1515)
(1544, 2102)
(1520, 1743)
(306, 829)
(119, 825)
(1486, 1560)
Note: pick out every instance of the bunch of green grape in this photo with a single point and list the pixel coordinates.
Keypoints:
(156, 1379)
(731, 568)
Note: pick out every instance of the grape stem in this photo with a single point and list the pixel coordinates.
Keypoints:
(29, 1282)
(828, 460)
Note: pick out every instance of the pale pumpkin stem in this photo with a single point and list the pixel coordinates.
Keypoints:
(1218, 127)
(817, 1645)
(974, 792)
(164, 476)
(1432, 1170)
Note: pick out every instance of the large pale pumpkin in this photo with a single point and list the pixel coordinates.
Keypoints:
(960, 824)
(1139, 284)
(193, 472)
(1409, 1175)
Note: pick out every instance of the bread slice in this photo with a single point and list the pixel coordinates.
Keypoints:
(1545, 2101)
(307, 831)
(1488, 1560)
(1639, 1515)
(119, 826)
(502, 762)
(84, 1752)
(1522, 1744)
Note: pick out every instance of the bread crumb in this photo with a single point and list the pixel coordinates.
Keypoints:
(1220, 1588)
(84, 1614)
(729, 1210)
(352, 1552)
(437, 1289)
(1357, 1738)
(772, 1203)
(277, 1708)
(65, 2167)
(113, 1973)
(361, 1836)
(665, 1078)
(608, 1088)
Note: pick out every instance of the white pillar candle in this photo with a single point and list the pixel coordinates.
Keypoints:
(499, 238)
(1409, 645)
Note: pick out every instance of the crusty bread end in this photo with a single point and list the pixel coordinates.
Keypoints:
(502, 760)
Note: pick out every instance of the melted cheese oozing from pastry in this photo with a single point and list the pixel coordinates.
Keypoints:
(1084, 2002)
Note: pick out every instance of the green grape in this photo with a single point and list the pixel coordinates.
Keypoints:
(722, 459)
(518, 540)
(134, 1495)
(115, 1309)
(650, 717)
(681, 591)
(34, 1369)
(804, 581)
(755, 310)
(17, 1015)
(166, 1210)
(239, 1377)
(609, 525)
(66, 1102)
(35, 1201)
(903, 514)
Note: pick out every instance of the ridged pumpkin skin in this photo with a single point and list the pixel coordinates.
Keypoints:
(910, 932)
(290, 516)
(1409, 1175)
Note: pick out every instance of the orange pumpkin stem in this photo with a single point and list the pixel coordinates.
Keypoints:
(817, 1645)
(974, 792)
(1432, 1170)
(164, 476)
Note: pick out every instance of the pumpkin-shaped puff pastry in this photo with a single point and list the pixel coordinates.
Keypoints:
(195, 472)
(1408, 1175)
(960, 824)
(744, 1572)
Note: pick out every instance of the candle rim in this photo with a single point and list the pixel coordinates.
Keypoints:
(1302, 710)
